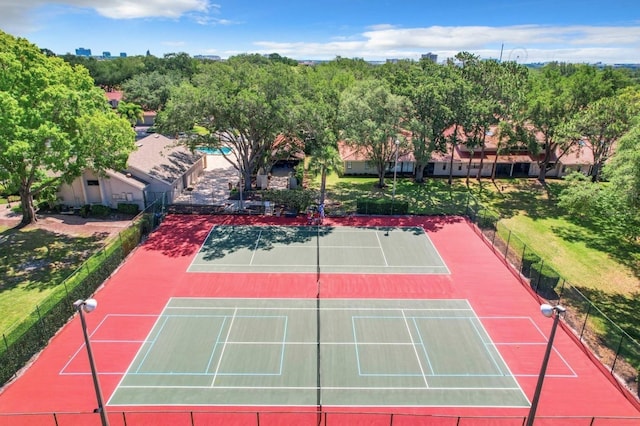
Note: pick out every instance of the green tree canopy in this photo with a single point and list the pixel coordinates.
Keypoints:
(242, 105)
(371, 118)
(54, 123)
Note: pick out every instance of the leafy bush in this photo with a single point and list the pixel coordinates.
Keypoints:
(128, 208)
(85, 210)
(293, 199)
(382, 206)
(100, 211)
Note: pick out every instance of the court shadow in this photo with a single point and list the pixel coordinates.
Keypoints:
(224, 240)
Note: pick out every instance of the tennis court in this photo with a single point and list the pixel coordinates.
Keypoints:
(300, 249)
(371, 352)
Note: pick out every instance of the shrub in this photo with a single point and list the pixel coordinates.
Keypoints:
(100, 211)
(382, 206)
(85, 210)
(128, 208)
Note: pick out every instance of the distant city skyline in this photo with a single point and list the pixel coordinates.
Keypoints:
(526, 31)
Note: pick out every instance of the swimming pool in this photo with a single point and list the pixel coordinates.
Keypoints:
(225, 150)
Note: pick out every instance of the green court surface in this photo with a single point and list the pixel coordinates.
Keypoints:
(309, 352)
(301, 249)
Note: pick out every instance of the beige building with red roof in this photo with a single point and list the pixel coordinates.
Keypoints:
(473, 162)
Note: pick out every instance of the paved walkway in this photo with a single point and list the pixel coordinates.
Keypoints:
(212, 187)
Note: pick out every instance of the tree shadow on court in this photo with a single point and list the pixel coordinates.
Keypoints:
(228, 239)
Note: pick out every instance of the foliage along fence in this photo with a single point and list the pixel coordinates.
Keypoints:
(28, 337)
(616, 350)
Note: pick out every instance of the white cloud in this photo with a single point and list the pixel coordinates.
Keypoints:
(17, 15)
(530, 43)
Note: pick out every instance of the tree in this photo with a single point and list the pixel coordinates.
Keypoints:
(623, 173)
(371, 118)
(132, 112)
(613, 207)
(428, 86)
(325, 159)
(54, 123)
(241, 104)
(602, 123)
(556, 93)
(150, 90)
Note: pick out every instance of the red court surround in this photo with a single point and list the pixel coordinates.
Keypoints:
(58, 380)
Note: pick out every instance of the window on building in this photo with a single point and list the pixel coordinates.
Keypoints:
(444, 166)
(93, 182)
(349, 165)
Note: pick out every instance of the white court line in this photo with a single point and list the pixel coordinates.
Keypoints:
(499, 354)
(255, 247)
(381, 250)
(202, 246)
(266, 308)
(315, 388)
(415, 350)
(129, 368)
(215, 375)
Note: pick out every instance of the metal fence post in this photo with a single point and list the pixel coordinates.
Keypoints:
(506, 250)
(586, 317)
(539, 274)
(613, 366)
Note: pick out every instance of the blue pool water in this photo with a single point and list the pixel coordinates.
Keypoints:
(215, 151)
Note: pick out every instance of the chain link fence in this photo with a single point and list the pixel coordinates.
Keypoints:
(310, 418)
(28, 337)
(618, 352)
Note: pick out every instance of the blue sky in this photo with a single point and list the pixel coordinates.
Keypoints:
(522, 30)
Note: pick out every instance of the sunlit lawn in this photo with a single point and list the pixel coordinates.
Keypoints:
(581, 255)
(32, 264)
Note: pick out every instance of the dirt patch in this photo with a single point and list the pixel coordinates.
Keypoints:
(68, 224)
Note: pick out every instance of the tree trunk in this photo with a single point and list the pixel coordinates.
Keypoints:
(453, 147)
(323, 184)
(543, 168)
(420, 173)
(28, 210)
(482, 157)
(469, 167)
(494, 166)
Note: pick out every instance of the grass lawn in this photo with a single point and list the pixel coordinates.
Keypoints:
(32, 264)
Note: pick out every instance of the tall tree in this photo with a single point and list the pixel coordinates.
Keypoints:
(371, 118)
(54, 123)
(602, 123)
(325, 159)
(555, 94)
(243, 105)
(432, 113)
(150, 90)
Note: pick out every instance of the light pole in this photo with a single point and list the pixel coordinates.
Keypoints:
(547, 311)
(86, 306)
(395, 170)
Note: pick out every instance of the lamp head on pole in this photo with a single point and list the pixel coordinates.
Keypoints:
(548, 310)
(87, 306)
